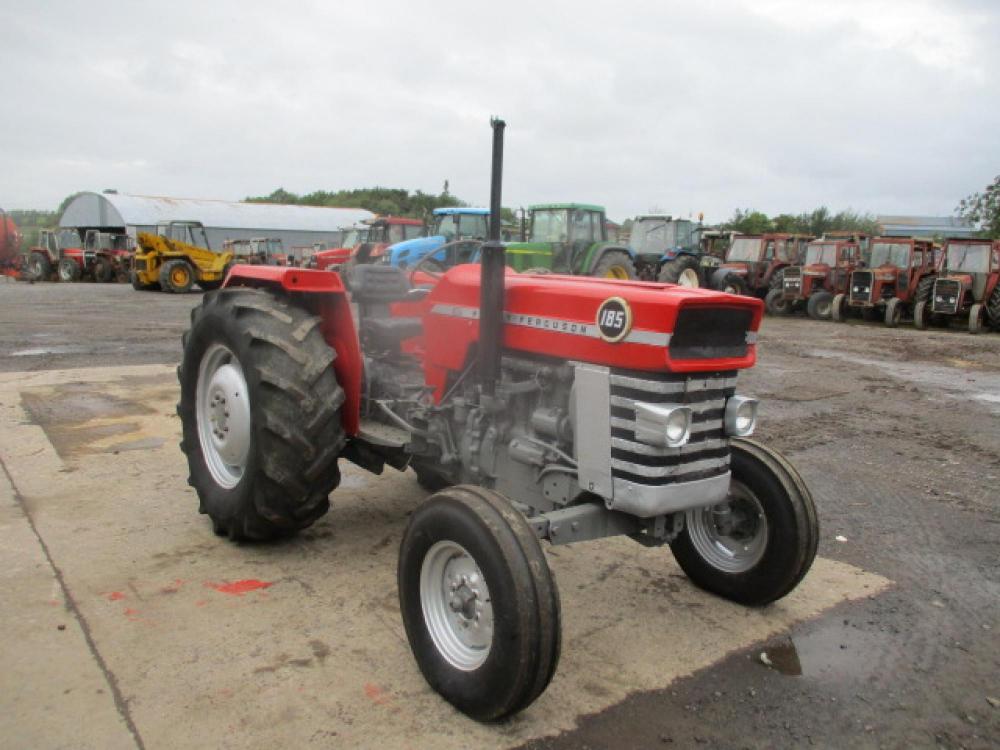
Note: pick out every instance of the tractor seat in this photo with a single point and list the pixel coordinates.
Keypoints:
(373, 288)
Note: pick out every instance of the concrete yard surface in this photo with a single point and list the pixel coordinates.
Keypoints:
(213, 644)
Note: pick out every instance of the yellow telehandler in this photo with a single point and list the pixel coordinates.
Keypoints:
(176, 258)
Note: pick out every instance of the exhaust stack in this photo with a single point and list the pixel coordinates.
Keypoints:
(491, 279)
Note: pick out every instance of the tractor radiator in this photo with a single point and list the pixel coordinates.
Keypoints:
(711, 333)
(861, 286)
(947, 296)
(705, 455)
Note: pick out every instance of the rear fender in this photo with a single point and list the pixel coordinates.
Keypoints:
(323, 294)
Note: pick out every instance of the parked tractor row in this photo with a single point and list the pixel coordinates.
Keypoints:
(60, 255)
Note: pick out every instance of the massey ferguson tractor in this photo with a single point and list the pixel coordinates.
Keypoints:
(536, 408)
(755, 263)
(968, 285)
(900, 275)
(823, 274)
(107, 256)
(59, 254)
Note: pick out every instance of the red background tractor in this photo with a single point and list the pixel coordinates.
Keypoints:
(755, 263)
(824, 273)
(968, 284)
(901, 274)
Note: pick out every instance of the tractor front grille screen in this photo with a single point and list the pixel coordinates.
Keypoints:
(707, 452)
(861, 286)
(710, 333)
(947, 296)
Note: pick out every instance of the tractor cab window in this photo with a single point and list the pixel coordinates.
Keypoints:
(69, 238)
(918, 258)
(973, 258)
(583, 229)
(445, 225)
(825, 252)
(890, 254)
(769, 250)
(744, 248)
(473, 225)
(549, 225)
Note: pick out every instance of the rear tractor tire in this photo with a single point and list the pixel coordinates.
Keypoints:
(614, 264)
(684, 270)
(39, 268)
(260, 412)
(757, 545)
(993, 308)
(176, 276)
(731, 283)
(893, 312)
(820, 306)
(479, 603)
(838, 308)
(776, 304)
(103, 271)
(68, 270)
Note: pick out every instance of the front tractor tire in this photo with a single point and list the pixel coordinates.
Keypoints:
(683, 270)
(731, 283)
(757, 545)
(68, 270)
(893, 312)
(103, 271)
(820, 306)
(776, 304)
(176, 276)
(479, 603)
(260, 411)
(838, 308)
(615, 264)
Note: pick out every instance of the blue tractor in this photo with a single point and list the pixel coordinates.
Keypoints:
(671, 250)
(447, 225)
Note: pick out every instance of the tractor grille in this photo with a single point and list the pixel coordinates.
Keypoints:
(792, 280)
(705, 455)
(861, 286)
(947, 296)
(710, 333)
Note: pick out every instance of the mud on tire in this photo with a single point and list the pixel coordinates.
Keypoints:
(294, 400)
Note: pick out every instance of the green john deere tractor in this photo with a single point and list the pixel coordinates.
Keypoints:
(570, 238)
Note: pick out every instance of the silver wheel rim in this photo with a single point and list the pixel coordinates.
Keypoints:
(65, 274)
(731, 536)
(223, 415)
(731, 289)
(688, 278)
(456, 604)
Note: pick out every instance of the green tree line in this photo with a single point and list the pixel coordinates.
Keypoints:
(379, 200)
(815, 223)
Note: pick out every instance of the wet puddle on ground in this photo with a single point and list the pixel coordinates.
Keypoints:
(84, 418)
(832, 652)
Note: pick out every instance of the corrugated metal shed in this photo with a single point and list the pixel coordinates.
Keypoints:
(925, 226)
(295, 225)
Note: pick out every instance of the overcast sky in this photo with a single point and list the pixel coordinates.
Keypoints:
(888, 106)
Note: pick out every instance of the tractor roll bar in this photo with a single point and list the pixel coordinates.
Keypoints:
(491, 279)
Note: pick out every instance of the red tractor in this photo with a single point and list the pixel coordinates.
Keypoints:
(330, 258)
(10, 244)
(824, 273)
(107, 256)
(756, 263)
(967, 284)
(59, 253)
(901, 274)
(538, 408)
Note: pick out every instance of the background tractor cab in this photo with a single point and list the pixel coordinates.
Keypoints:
(824, 273)
(570, 238)
(968, 284)
(268, 251)
(755, 263)
(900, 274)
(383, 232)
(330, 258)
(670, 250)
(447, 225)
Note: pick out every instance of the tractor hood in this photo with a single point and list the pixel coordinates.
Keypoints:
(410, 251)
(886, 272)
(965, 279)
(738, 267)
(621, 324)
(816, 269)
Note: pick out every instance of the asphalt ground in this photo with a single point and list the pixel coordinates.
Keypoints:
(129, 624)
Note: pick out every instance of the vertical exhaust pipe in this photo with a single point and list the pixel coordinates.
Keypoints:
(491, 279)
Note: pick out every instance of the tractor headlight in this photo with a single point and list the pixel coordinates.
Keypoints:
(665, 426)
(741, 416)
